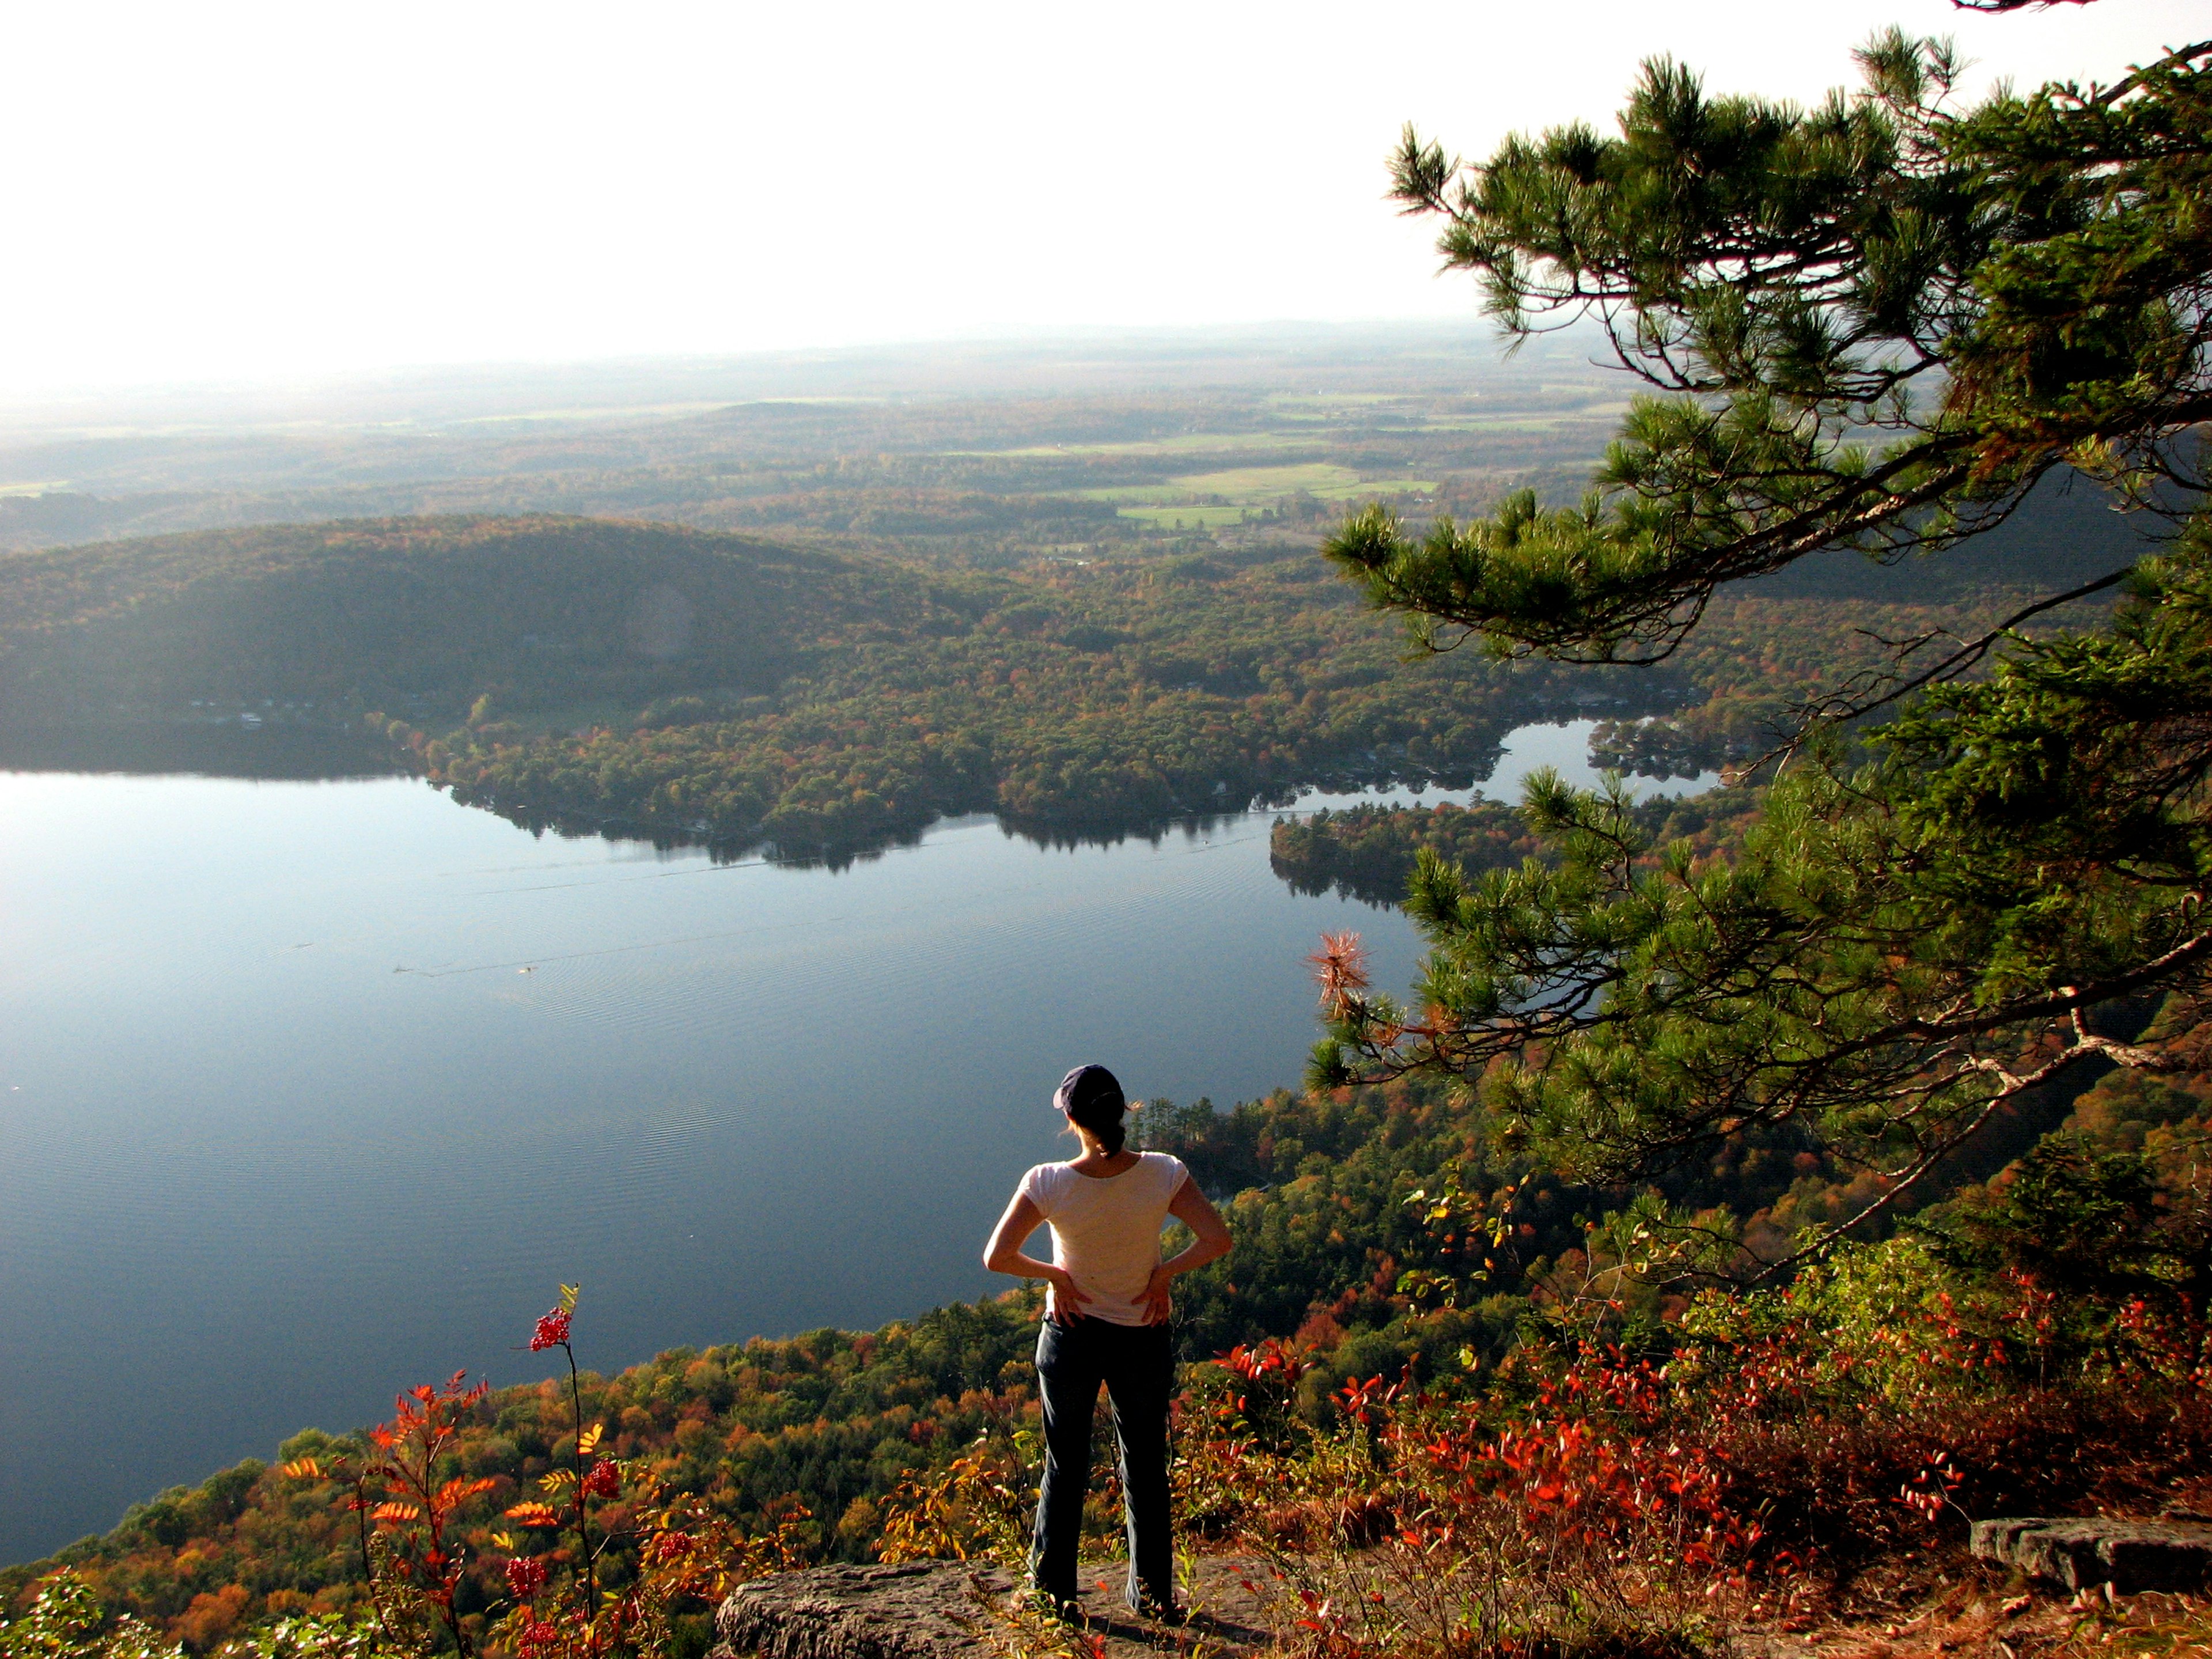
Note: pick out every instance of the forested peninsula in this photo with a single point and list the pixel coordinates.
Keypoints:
(1369, 852)
(683, 683)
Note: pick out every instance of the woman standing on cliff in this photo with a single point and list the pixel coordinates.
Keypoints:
(1106, 1321)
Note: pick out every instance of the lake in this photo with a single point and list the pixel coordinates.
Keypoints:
(315, 1090)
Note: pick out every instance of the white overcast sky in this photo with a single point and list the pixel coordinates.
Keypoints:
(215, 191)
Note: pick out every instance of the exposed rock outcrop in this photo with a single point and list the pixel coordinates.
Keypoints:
(2130, 1556)
(958, 1610)
(921, 1610)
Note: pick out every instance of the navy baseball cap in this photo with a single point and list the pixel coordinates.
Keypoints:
(1086, 1084)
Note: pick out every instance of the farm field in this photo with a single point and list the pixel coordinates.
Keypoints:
(1210, 499)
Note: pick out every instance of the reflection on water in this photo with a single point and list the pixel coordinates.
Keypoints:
(299, 753)
(1564, 747)
(315, 1089)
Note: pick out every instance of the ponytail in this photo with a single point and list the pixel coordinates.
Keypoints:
(1102, 1117)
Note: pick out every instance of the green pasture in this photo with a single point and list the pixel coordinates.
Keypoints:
(1253, 486)
(1232, 495)
(1241, 486)
(1184, 518)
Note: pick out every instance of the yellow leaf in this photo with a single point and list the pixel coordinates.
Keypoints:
(301, 1468)
(504, 1539)
(589, 1442)
(557, 1480)
(534, 1515)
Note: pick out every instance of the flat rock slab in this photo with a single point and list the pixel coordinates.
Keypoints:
(2130, 1556)
(941, 1609)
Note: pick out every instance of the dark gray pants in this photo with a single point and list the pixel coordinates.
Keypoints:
(1136, 1364)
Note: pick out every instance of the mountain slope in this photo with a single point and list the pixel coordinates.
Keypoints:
(430, 613)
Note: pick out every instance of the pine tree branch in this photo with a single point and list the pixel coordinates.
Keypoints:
(1842, 706)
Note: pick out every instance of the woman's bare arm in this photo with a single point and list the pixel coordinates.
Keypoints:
(1005, 1255)
(1210, 1241)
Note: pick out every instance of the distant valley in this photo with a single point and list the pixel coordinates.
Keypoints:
(1080, 589)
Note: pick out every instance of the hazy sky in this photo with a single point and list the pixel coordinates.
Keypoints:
(223, 190)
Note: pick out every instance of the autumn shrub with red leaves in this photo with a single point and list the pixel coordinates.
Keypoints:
(1415, 1522)
(1881, 1401)
(682, 1552)
(1420, 1522)
(1589, 1498)
(597, 1515)
(404, 1501)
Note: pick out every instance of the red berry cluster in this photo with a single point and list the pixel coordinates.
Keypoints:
(552, 1331)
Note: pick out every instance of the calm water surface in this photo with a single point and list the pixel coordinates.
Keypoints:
(312, 1090)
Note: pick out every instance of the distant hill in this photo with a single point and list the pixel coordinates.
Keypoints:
(424, 614)
(60, 518)
(2067, 532)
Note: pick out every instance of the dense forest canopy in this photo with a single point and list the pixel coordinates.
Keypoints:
(431, 612)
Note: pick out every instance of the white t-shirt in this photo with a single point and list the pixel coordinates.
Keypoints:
(1106, 1229)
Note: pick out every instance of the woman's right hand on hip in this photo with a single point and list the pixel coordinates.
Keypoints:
(1068, 1301)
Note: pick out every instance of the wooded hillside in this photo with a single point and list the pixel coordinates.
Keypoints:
(430, 613)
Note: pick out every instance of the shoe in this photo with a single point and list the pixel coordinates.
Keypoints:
(1044, 1604)
(1169, 1613)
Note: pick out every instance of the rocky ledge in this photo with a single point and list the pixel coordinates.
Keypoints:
(2131, 1556)
(958, 1610)
(921, 1610)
